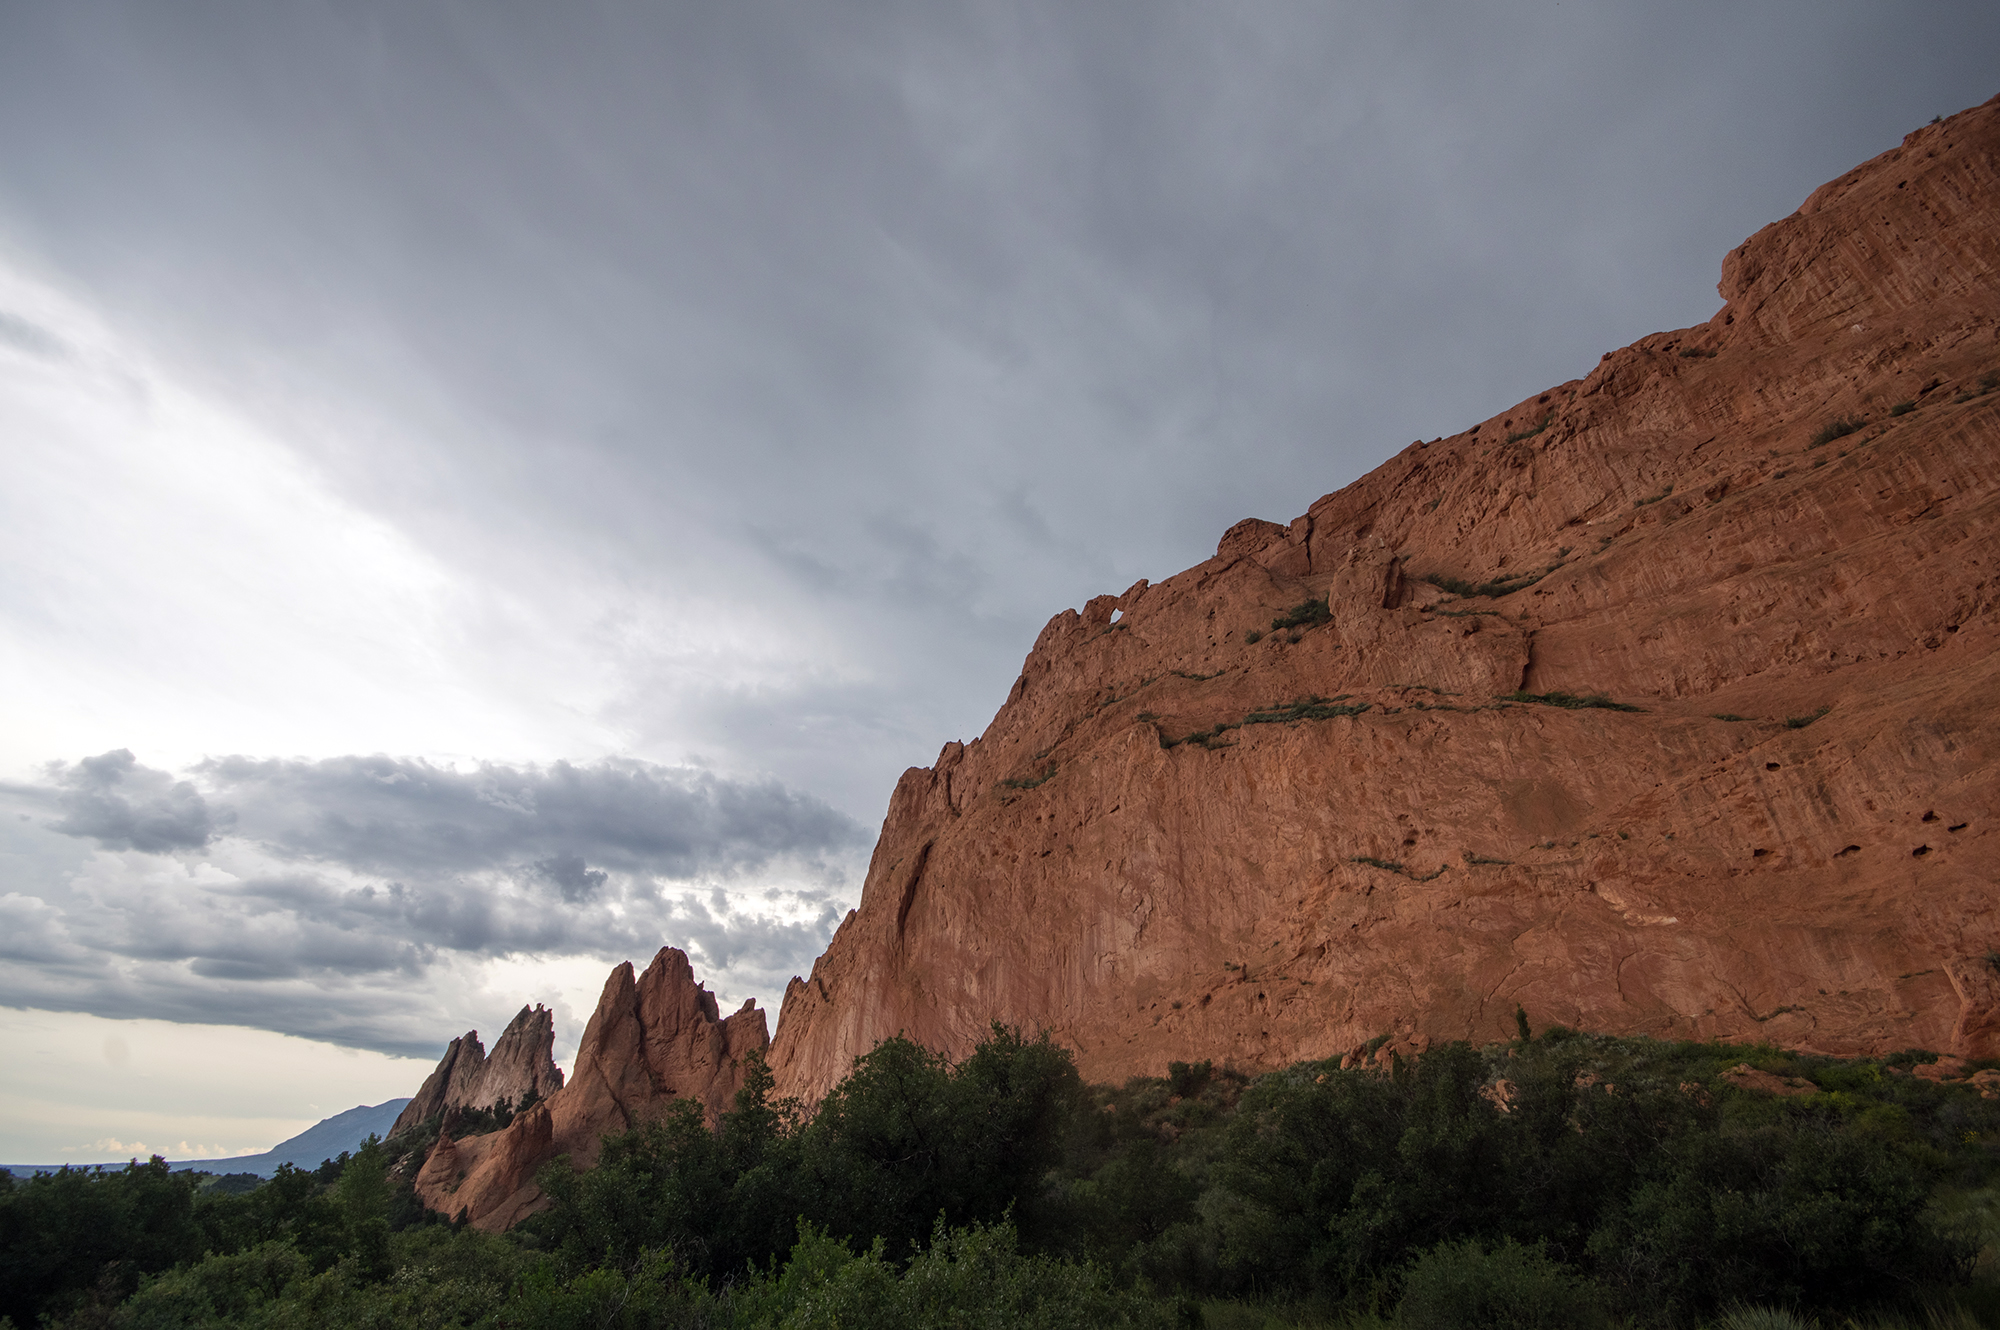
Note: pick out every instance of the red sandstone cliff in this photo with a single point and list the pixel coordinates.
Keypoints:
(523, 1063)
(1154, 854)
(651, 1040)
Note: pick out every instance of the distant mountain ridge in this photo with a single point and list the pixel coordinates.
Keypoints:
(323, 1140)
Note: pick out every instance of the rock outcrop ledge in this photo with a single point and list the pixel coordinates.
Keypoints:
(652, 1039)
(1664, 702)
(523, 1066)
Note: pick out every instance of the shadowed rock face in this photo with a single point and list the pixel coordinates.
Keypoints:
(522, 1062)
(1175, 842)
(652, 1039)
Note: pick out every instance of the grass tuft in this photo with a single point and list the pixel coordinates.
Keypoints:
(1308, 708)
(1765, 1318)
(1392, 866)
(1570, 701)
(1499, 586)
(1208, 738)
(1531, 433)
(1030, 782)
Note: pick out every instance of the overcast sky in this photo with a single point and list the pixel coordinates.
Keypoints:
(494, 488)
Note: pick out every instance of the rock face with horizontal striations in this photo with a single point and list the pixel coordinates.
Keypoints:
(1664, 702)
(523, 1065)
(654, 1038)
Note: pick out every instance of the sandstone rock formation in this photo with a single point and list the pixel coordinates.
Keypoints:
(523, 1065)
(651, 1040)
(1300, 794)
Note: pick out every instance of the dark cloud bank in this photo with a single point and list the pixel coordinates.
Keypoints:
(327, 898)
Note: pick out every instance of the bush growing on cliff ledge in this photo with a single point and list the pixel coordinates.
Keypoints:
(1569, 701)
(1493, 589)
(1303, 615)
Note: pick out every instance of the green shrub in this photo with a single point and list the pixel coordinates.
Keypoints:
(1902, 408)
(1569, 701)
(1253, 636)
(221, 1286)
(1209, 738)
(1306, 708)
(906, 1136)
(1494, 589)
(1800, 722)
(1533, 430)
(1303, 615)
(77, 1231)
(1464, 1286)
(1838, 428)
(969, 1277)
(1042, 777)
(1789, 1209)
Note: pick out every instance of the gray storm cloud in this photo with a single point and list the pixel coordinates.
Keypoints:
(392, 815)
(124, 806)
(235, 891)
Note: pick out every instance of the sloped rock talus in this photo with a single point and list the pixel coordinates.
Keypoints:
(654, 1038)
(1775, 535)
(523, 1063)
